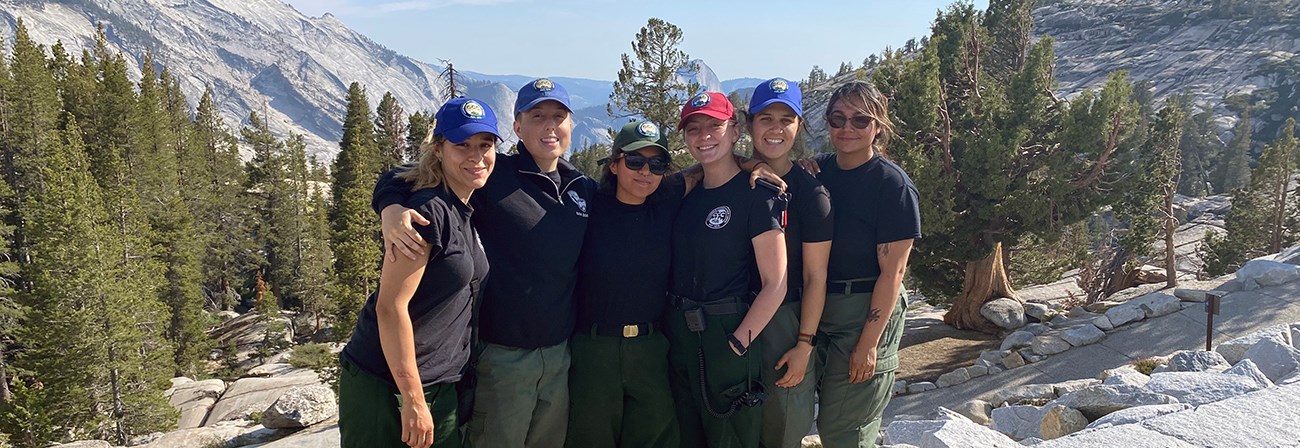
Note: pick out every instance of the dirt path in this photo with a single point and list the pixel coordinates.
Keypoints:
(931, 348)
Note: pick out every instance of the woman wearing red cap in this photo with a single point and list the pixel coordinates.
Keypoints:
(398, 376)
(727, 243)
(775, 116)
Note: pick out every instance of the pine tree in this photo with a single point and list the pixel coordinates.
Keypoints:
(176, 234)
(214, 186)
(390, 131)
(265, 171)
(314, 285)
(1256, 224)
(1145, 213)
(92, 338)
(648, 84)
(977, 145)
(357, 246)
(1233, 171)
(417, 129)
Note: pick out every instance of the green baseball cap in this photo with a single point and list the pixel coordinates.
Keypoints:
(640, 134)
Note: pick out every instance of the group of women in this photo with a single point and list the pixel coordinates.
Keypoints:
(702, 308)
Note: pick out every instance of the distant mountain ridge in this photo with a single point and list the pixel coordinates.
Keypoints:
(264, 55)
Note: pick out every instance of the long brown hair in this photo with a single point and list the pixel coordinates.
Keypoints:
(427, 172)
(876, 106)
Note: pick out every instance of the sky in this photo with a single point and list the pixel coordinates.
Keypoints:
(585, 38)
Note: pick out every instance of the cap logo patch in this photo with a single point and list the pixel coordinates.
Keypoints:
(648, 129)
(473, 110)
(700, 100)
(543, 85)
(718, 218)
(778, 86)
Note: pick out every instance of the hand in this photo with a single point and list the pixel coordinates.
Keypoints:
(796, 359)
(417, 425)
(763, 171)
(809, 165)
(862, 364)
(398, 233)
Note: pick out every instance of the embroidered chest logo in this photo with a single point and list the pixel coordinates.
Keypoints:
(718, 218)
(582, 204)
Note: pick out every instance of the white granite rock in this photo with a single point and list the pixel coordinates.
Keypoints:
(1190, 295)
(1004, 312)
(1036, 329)
(1103, 323)
(194, 399)
(1017, 340)
(1083, 335)
(85, 444)
(1013, 360)
(1125, 436)
(1037, 310)
(1137, 414)
(1097, 401)
(1264, 418)
(1198, 388)
(953, 378)
(1124, 376)
(1049, 345)
(900, 387)
(1235, 349)
(1196, 361)
(324, 435)
(1275, 359)
(1066, 387)
(1030, 356)
(1268, 272)
(1060, 421)
(977, 371)
(1247, 368)
(1123, 314)
(1019, 421)
(921, 386)
(993, 356)
(975, 410)
(1157, 304)
(995, 370)
(248, 395)
(956, 433)
(301, 407)
(1014, 395)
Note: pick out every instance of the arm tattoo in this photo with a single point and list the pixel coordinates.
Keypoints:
(882, 250)
(874, 315)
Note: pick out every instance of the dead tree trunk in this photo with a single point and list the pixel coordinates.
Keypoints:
(985, 280)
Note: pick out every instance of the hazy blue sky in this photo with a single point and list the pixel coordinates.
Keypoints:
(584, 38)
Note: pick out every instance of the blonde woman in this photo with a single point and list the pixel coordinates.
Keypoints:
(397, 386)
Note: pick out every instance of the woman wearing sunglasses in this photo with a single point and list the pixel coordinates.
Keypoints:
(775, 115)
(726, 244)
(619, 375)
(876, 220)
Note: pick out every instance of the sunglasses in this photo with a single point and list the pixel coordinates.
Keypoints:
(634, 162)
(858, 121)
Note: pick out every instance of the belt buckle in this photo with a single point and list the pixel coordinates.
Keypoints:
(631, 331)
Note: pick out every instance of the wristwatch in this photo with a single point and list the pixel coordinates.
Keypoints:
(739, 346)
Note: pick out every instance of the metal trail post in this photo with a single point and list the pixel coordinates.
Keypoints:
(1211, 308)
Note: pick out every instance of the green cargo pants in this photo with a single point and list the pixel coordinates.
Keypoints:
(522, 397)
(370, 416)
(849, 414)
(724, 377)
(788, 413)
(618, 392)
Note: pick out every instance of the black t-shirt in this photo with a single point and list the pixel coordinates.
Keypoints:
(713, 251)
(532, 232)
(808, 220)
(624, 268)
(874, 203)
(442, 305)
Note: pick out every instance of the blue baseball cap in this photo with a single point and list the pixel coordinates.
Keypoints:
(534, 93)
(461, 118)
(776, 90)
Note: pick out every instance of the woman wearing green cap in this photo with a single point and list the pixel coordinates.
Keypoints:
(774, 118)
(619, 379)
(726, 244)
(411, 342)
(877, 218)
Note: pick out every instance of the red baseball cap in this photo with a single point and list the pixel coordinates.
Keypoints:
(712, 104)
